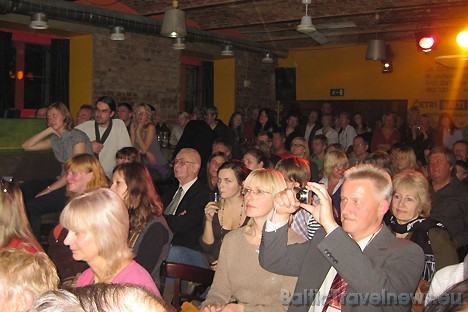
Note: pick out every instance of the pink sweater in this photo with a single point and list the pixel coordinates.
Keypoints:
(133, 274)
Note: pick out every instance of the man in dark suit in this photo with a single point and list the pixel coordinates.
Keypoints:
(359, 266)
(185, 203)
(313, 124)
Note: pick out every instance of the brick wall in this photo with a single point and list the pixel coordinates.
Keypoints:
(260, 79)
(146, 69)
(140, 69)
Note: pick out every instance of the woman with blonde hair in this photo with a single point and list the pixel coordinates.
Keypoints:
(405, 159)
(48, 196)
(143, 135)
(98, 227)
(334, 166)
(240, 283)
(15, 231)
(83, 173)
(150, 236)
(411, 207)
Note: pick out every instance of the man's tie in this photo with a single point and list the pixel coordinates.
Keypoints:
(337, 290)
(173, 204)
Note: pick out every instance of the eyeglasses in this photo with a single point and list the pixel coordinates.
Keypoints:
(245, 191)
(297, 145)
(182, 162)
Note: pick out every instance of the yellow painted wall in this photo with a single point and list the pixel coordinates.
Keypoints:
(224, 87)
(416, 76)
(81, 71)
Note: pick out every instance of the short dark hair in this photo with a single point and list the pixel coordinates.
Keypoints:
(127, 105)
(107, 100)
(281, 131)
(240, 170)
(322, 138)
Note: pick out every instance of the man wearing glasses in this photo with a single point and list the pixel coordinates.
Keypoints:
(185, 203)
(107, 135)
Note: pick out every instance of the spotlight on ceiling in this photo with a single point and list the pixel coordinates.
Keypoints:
(174, 22)
(227, 51)
(178, 44)
(267, 59)
(426, 43)
(462, 39)
(117, 33)
(38, 21)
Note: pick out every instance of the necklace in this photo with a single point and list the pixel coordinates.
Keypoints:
(221, 221)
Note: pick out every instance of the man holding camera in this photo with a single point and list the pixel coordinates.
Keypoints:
(359, 266)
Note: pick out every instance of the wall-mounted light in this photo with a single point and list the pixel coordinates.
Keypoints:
(117, 33)
(178, 44)
(426, 42)
(227, 51)
(387, 64)
(174, 22)
(267, 59)
(38, 21)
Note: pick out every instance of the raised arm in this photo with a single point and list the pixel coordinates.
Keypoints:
(39, 141)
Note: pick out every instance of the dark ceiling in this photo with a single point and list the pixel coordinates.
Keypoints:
(274, 22)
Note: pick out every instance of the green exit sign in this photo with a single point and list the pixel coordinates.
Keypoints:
(336, 92)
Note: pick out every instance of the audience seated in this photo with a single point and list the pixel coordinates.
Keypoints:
(266, 121)
(143, 137)
(214, 162)
(296, 173)
(48, 196)
(184, 211)
(380, 159)
(85, 113)
(254, 158)
(150, 236)
(216, 124)
(240, 283)
(462, 171)
(405, 159)
(300, 149)
(107, 135)
(318, 147)
(410, 220)
(335, 165)
(235, 135)
(223, 146)
(360, 151)
(23, 278)
(361, 256)
(327, 129)
(422, 137)
(346, 134)
(361, 127)
(98, 227)
(388, 135)
(127, 155)
(125, 113)
(250, 122)
(460, 150)
(449, 197)
(446, 133)
(309, 129)
(226, 215)
(176, 132)
(84, 173)
(15, 231)
(291, 129)
(101, 297)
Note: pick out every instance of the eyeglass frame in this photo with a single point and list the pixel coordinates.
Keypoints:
(246, 191)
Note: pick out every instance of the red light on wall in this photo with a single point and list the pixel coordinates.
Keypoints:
(426, 43)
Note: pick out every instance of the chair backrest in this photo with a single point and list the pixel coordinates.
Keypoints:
(184, 272)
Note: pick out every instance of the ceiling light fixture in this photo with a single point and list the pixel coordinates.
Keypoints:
(267, 59)
(376, 47)
(117, 33)
(227, 51)
(376, 50)
(178, 44)
(174, 22)
(38, 21)
(306, 26)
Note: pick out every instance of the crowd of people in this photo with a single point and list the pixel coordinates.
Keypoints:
(300, 216)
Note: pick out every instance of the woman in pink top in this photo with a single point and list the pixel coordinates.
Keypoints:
(98, 226)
